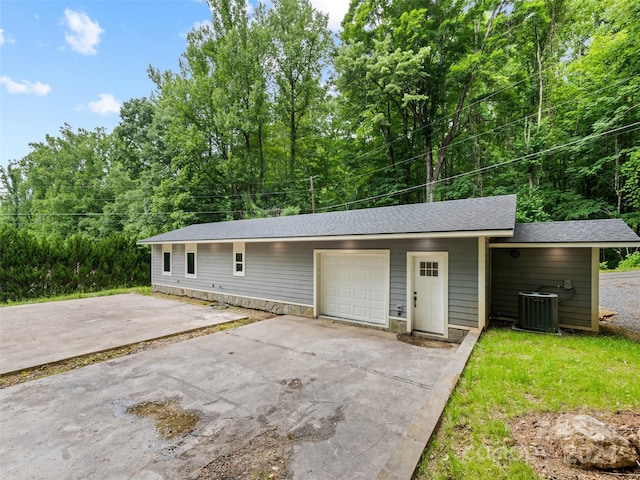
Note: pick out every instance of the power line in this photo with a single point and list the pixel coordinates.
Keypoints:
(469, 137)
(628, 128)
(387, 144)
(115, 214)
(472, 137)
(460, 141)
(483, 99)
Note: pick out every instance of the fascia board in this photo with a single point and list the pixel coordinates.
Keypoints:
(391, 236)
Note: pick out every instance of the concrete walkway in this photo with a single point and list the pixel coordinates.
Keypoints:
(339, 402)
(39, 333)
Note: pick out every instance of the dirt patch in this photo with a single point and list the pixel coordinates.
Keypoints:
(424, 342)
(264, 457)
(319, 431)
(170, 420)
(532, 437)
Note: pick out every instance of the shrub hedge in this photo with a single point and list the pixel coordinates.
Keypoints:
(32, 267)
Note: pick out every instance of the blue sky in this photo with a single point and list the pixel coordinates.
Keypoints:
(77, 62)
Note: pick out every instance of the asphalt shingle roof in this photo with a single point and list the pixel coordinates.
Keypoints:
(477, 214)
(577, 231)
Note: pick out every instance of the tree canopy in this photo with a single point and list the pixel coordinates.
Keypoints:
(272, 113)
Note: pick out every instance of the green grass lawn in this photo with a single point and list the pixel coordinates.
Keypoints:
(513, 373)
(75, 296)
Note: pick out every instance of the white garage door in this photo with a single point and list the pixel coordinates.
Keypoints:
(355, 286)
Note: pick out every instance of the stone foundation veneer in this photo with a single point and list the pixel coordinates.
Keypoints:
(396, 325)
(278, 308)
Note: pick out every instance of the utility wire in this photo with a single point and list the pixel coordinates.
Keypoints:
(473, 137)
(387, 167)
(627, 128)
(446, 117)
(400, 138)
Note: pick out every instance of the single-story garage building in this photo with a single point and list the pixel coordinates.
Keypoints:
(431, 268)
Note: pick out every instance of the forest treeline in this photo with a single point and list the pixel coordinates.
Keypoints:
(412, 101)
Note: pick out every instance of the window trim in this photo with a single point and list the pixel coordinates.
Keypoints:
(167, 248)
(191, 248)
(239, 248)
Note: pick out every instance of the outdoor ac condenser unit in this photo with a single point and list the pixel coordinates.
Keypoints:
(538, 311)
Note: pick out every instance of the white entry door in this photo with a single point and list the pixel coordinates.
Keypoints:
(429, 292)
(355, 286)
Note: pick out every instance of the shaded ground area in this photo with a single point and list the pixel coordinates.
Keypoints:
(41, 333)
(309, 399)
(620, 294)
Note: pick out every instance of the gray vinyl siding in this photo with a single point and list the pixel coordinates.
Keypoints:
(283, 271)
(543, 269)
(280, 272)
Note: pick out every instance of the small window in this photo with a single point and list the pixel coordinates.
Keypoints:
(166, 259)
(428, 269)
(238, 259)
(191, 260)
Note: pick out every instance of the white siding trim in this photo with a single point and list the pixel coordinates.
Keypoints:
(482, 285)
(191, 248)
(316, 283)
(567, 245)
(166, 248)
(377, 236)
(239, 247)
(595, 289)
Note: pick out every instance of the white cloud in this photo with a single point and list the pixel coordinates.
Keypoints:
(5, 38)
(83, 34)
(24, 86)
(201, 23)
(106, 105)
(195, 26)
(336, 10)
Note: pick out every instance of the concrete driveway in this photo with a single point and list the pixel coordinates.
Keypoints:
(620, 293)
(39, 333)
(297, 398)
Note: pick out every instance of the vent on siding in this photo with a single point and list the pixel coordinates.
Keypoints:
(538, 311)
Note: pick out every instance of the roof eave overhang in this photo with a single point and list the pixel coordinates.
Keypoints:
(332, 238)
(564, 244)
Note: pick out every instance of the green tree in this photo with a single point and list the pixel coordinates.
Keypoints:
(598, 95)
(300, 46)
(64, 179)
(423, 60)
(14, 207)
